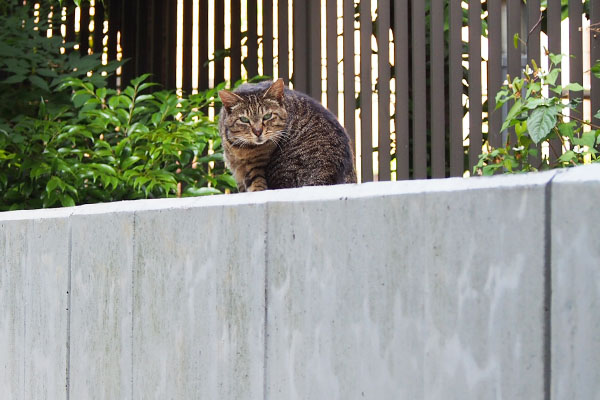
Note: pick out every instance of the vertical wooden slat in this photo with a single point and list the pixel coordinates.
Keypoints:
(114, 22)
(84, 28)
(494, 65)
(513, 53)
(129, 40)
(401, 72)
(348, 51)
(534, 27)
(438, 95)
(554, 32)
(332, 73)
(154, 30)
(219, 19)
(475, 108)
(300, 43)
(534, 15)
(576, 52)
(203, 45)
(283, 61)
(56, 20)
(383, 88)
(252, 60)
(595, 56)
(455, 91)
(171, 47)
(236, 39)
(313, 24)
(147, 12)
(161, 53)
(70, 24)
(419, 91)
(366, 141)
(98, 27)
(267, 38)
(186, 63)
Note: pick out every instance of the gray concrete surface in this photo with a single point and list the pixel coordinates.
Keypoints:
(576, 284)
(420, 290)
(101, 301)
(430, 294)
(34, 278)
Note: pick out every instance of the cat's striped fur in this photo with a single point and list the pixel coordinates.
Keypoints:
(274, 137)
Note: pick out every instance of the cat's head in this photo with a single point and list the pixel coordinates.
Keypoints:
(256, 116)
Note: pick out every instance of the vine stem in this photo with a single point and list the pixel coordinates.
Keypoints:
(564, 145)
(580, 120)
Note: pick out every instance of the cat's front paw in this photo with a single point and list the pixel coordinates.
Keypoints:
(257, 186)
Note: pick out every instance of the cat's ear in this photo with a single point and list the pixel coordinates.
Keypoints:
(229, 99)
(275, 91)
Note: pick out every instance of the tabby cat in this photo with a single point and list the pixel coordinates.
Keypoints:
(274, 137)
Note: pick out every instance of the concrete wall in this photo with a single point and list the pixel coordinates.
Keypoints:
(456, 289)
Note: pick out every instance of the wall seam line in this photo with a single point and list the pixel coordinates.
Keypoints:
(266, 314)
(133, 262)
(25, 280)
(69, 266)
(547, 324)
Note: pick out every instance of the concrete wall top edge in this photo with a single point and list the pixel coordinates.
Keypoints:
(584, 173)
(321, 193)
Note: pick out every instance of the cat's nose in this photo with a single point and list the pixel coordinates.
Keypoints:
(257, 131)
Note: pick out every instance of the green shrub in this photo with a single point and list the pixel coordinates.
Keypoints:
(536, 119)
(32, 65)
(67, 139)
(111, 146)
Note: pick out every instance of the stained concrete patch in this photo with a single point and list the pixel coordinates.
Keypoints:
(45, 298)
(13, 259)
(198, 314)
(101, 304)
(435, 293)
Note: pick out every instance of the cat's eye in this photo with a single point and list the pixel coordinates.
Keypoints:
(245, 120)
(267, 117)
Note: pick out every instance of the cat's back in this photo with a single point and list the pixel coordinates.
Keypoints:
(316, 150)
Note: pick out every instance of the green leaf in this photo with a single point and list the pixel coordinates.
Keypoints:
(540, 123)
(8, 51)
(574, 87)
(53, 183)
(567, 156)
(567, 128)
(67, 201)
(104, 168)
(80, 98)
(516, 40)
(141, 78)
(14, 79)
(101, 93)
(143, 97)
(126, 163)
(556, 58)
(39, 82)
(552, 76)
(514, 111)
(587, 139)
(204, 191)
(228, 180)
(535, 103)
(596, 69)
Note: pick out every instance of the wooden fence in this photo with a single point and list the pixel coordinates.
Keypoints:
(411, 90)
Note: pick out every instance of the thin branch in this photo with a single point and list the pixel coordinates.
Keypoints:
(580, 120)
